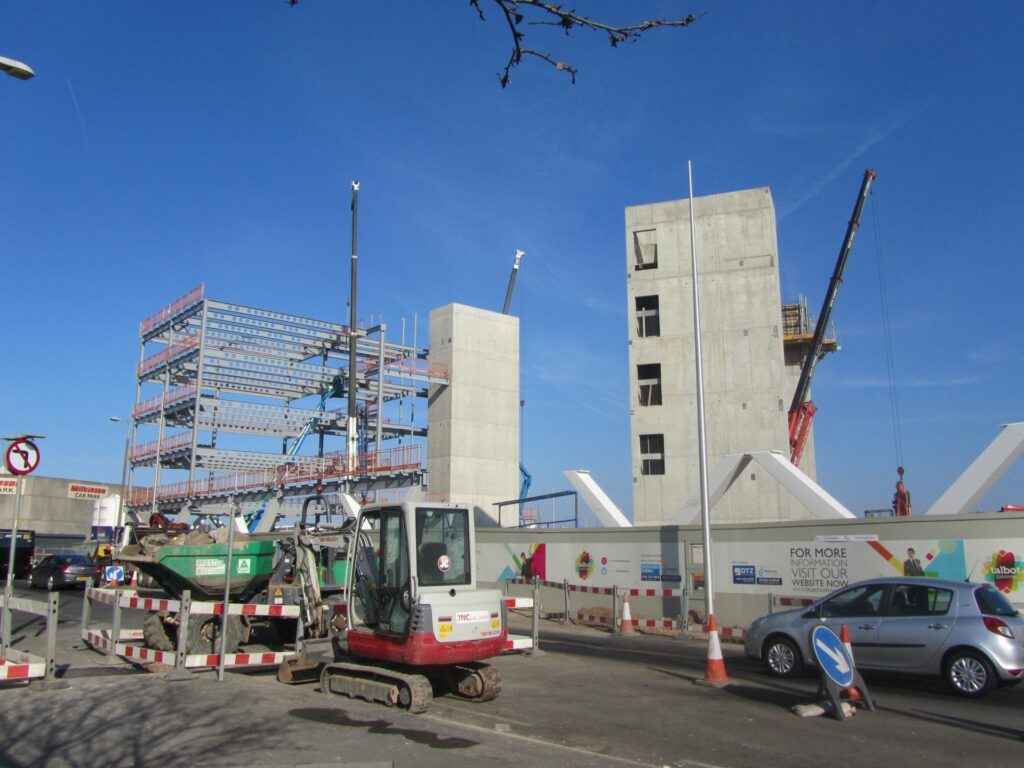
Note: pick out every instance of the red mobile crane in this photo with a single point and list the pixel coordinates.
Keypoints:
(801, 412)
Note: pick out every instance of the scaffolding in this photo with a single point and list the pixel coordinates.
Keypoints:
(225, 391)
(798, 328)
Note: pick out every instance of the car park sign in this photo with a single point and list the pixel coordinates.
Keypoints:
(832, 657)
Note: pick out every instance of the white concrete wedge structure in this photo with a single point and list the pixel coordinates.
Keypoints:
(599, 502)
(820, 503)
(979, 478)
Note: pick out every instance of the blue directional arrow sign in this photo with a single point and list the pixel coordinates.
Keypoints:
(833, 658)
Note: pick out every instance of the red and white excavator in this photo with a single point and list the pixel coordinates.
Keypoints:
(411, 618)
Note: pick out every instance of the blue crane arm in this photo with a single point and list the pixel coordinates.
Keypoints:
(253, 522)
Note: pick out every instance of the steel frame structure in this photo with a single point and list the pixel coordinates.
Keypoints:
(209, 369)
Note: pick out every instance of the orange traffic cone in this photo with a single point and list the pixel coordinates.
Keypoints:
(715, 674)
(844, 637)
(627, 617)
(135, 579)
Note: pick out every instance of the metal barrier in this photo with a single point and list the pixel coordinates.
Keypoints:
(616, 593)
(118, 642)
(20, 665)
(789, 602)
(521, 642)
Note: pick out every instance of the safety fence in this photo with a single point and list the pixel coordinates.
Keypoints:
(173, 309)
(521, 642)
(618, 595)
(154, 404)
(790, 602)
(302, 471)
(168, 444)
(20, 665)
(116, 641)
(184, 346)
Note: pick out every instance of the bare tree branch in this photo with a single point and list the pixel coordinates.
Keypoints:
(549, 14)
(540, 13)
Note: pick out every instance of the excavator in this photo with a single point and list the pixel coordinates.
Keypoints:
(412, 619)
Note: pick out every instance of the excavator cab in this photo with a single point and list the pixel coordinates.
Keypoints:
(420, 547)
(414, 580)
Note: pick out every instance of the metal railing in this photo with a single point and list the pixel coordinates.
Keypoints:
(302, 471)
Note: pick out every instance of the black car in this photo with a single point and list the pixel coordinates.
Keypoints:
(56, 571)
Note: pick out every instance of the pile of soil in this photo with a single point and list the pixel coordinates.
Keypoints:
(194, 538)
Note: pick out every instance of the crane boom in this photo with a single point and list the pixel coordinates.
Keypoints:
(802, 410)
(512, 281)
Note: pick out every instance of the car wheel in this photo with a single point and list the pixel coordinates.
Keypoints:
(970, 674)
(782, 656)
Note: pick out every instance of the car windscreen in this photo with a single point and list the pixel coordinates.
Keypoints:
(72, 560)
(992, 602)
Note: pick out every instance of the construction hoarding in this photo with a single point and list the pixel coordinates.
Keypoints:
(756, 565)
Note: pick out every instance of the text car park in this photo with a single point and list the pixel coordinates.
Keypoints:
(968, 633)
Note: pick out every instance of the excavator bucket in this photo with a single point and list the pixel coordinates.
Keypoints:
(299, 669)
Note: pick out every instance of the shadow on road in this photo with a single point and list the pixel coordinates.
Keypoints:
(337, 716)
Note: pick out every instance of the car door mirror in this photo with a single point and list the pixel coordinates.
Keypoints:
(811, 614)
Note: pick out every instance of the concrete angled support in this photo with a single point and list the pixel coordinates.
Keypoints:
(608, 514)
(720, 480)
(821, 504)
(983, 473)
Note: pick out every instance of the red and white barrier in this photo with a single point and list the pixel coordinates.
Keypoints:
(247, 609)
(101, 640)
(590, 618)
(124, 645)
(733, 633)
(17, 670)
(518, 643)
(585, 588)
(793, 602)
(519, 602)
(21, 665)
(150, 604)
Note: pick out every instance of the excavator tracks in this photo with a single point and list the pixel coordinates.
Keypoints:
(475, 681)
(386, 686)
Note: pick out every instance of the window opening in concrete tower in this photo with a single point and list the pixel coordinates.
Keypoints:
(647, 322)
(649, 379)
(652, 454)
(645, 249)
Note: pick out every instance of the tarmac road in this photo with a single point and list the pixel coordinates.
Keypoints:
(589, 699)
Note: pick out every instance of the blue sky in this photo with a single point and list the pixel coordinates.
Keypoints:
(166, 144)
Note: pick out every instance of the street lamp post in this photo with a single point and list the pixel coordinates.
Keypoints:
(124, 467)
(25, 442)
(16, 68)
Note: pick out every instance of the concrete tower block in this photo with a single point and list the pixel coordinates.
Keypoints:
(473, 421)
(746, 386)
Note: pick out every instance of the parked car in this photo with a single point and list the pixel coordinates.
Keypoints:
(968, 633)
(56, 571)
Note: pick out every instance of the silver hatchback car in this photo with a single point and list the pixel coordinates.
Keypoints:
(968, 633)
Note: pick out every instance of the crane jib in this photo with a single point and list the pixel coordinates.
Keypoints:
(815, 352)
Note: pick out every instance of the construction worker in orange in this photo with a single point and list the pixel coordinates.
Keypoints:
(901, 499)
